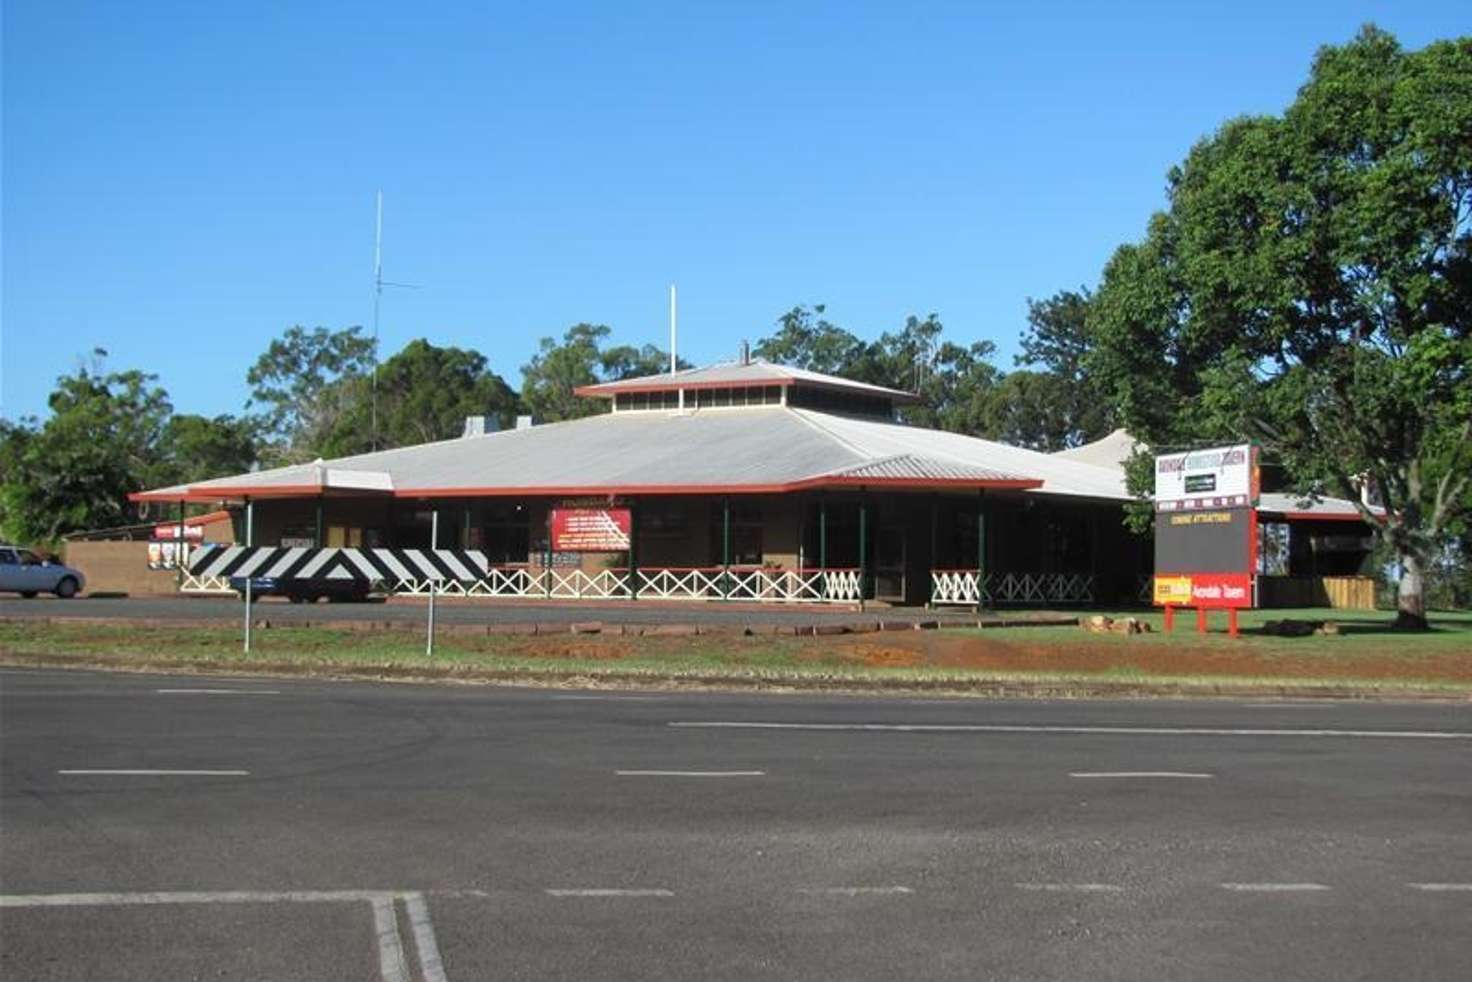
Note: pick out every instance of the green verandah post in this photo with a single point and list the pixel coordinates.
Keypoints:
(823, 542)
(179, 550)
(633, 550)
(726, 548)
(980, 546)
(863, 552)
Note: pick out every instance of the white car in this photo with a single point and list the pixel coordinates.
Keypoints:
(25, 573)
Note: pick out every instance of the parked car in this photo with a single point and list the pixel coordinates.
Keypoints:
(306, 591)
(25, 573)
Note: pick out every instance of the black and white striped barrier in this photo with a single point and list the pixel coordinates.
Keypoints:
(402, 569)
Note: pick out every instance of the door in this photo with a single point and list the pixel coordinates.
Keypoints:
(10, 571)
(889, 563)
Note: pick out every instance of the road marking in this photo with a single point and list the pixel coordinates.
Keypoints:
(608, 698)
(1194, 775)
(1100, 730)
(856, 891)
(430, 965)
(190, 897)
(691, 773)
(138, 772)
(605, 892)
(219, 692)
(1070, 887)
(391, 964)
(1273, 887)
(1441, 887)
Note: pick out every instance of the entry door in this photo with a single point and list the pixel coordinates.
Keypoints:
(889, 563)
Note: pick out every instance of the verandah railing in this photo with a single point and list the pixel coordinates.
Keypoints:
(467, 573)
(960, 586)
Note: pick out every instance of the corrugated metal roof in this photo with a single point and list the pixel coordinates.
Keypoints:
(770, 447)
(877, 438)
(909, 467)
(756, 372)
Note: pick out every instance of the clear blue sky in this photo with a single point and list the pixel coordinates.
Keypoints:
(182, 181)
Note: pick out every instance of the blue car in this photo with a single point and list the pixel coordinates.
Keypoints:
(25, 573)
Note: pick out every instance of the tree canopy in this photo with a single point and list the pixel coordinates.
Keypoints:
(549, 379)
(1310, 287)
(302, 385)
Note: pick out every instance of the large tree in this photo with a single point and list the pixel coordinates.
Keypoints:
(74, 471)
(549, 379)
(425, 393)
(1310, 286)
(302, 386)
(1059, 404)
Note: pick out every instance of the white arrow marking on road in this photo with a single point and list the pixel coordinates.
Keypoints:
(1071, 887)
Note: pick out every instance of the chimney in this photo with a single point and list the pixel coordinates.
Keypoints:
(480, 425)
(745, 353)
(524, 423)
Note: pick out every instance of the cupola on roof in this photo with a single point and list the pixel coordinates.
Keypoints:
(737, 374)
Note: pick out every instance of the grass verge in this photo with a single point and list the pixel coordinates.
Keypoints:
(1364, 661)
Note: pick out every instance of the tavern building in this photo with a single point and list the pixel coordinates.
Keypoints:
(745, 480)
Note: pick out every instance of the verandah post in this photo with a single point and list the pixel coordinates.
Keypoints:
(179, 550)
(725, 548)
(934, 546)
(633, 550)
(980, 546)
(863, 552)
(823, 543)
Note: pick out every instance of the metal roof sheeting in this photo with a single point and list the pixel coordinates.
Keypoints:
(757, 372)
(909, 467)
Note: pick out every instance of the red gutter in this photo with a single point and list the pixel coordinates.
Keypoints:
(553, 491)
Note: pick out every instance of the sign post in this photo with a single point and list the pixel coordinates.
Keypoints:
(1206, 532)
(434, 542)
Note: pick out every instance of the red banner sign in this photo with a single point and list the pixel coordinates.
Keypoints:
(1203, 590)
(590, 529)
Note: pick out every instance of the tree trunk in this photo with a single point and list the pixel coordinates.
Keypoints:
(1411, 595)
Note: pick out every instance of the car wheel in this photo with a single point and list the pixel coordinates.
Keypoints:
(28, 594)
(67, 588)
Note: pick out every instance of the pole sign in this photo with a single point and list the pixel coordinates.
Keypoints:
(1206, 527)
(590, 529)
(1221, 477)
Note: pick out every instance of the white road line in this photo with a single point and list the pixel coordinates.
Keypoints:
(1070, 887)
(608, 698)
(1442, 887)
(190, 897)
(218, 692)
(856, 891)
(606, 892)
(1194, 775)
(1274, 887)
(1102, 730)
(430, 965)
(391, 963)
(691, 773)
(139, 772)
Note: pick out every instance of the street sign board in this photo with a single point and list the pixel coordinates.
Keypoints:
(1218, 477)
(591, 529)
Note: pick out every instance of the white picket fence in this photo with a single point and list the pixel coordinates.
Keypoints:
(960, 586)
(656, 583)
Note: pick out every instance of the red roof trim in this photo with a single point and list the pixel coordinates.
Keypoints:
(542, 491)
(1316, 516)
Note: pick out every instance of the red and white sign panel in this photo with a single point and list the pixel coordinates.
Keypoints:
(590, 529)
(1204, 590)
(1220, 477)
(192, 533)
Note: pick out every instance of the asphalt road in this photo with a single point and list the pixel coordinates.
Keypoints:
(185, 609)
(361, 831)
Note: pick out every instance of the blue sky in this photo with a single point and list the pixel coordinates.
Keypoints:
(183, 181)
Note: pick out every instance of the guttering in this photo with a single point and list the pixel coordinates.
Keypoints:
(590, 490)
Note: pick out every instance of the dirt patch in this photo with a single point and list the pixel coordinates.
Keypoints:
(1179, 658)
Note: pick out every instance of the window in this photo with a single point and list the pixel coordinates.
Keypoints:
(7, 557)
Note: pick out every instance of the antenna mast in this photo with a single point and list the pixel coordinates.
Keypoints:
(674, 332)
(378, 284)
(377, 302)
